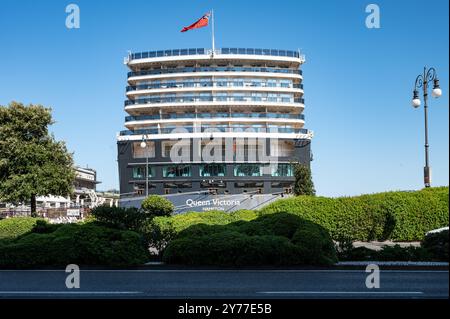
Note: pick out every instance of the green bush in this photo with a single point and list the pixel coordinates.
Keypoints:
(183, 221)
(280, 224)
(229, 248)
(315, 244)
(437, 245)
(156, 205)
(387, 253)
(156, 236)
(83, 244)
(263, 241)
(119, 217)
(14, 227)
(44, 227)
(397, 253)
(358, 254)
(400, 216)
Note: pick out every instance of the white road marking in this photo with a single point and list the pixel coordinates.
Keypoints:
(229, 270)
(14, 292)
(344, 292)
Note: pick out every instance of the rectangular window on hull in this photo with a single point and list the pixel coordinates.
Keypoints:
(182, 149)
(178, 185)
(210, 184)
(166, 147)
(282, 170)
(139, 172)
(212, 170)
(177, 171)
(249, 185)
(247, 170)
(143, 152)
(282, 148)
(281, 184)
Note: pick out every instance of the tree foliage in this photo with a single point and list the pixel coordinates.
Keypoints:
(303, 180)
(32, 162)
(155, 205)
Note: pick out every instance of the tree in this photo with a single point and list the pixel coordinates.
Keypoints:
(303, 180)
(32, 162)
(155, 205)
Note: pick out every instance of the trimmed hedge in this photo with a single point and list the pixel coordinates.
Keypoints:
(400, 216)
(276, 239)
(11, 228)
(183, 221)
(83, 244)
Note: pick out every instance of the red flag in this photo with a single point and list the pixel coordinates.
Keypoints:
(200, 23)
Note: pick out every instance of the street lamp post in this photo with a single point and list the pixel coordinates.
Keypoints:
(144, 146)
(422, 82)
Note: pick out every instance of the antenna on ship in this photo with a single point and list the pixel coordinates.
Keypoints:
(212, 32)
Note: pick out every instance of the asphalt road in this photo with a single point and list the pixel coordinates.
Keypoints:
(224, 284)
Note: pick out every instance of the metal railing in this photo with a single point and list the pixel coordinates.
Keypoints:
(214, 115)
(214, 69)
(206, 129)
(209, 84)
(187, 99)
(203, 51)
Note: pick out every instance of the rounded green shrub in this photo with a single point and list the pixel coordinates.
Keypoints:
(156, 205)
(280, 224)
(231, 248)
(82, 244)
(263, 241)
(198, 230)
(315, 244)
(129, 218)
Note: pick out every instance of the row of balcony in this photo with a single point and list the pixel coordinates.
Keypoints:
(208, 129)
(215, 115)
(213, 69)
(210, 84)
(184, 99)
(202, 51)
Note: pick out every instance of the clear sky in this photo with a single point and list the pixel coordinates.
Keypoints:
(358, 82)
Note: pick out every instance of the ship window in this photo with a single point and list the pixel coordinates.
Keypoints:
(178, 185)
(177, 171)
(213, 183)
(282, 148)
(212, 170)
(249, 185)
(285, 170)
(139, 172)
(148, 151)
(247, 170)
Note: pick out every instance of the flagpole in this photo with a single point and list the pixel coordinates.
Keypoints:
(212, 27)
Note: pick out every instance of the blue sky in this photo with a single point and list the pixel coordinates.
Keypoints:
(358, 81)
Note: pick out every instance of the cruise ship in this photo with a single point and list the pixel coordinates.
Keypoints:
(212, 129)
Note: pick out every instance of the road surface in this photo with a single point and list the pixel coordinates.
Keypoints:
(153, 283)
